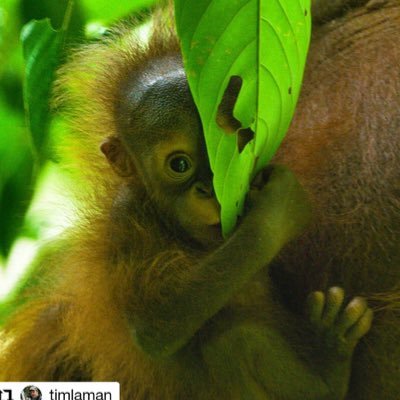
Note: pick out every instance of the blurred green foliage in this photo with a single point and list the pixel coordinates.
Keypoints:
(25, 128)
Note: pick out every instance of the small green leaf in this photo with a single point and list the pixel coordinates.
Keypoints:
(262, 44)
(42, 48)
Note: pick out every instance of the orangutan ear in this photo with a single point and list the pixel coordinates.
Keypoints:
(116, 154)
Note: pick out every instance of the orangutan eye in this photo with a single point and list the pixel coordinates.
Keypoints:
(180, 164)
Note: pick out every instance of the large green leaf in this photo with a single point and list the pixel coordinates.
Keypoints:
(264, 43)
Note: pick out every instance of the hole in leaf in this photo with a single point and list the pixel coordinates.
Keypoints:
(244, 136)
(305, 13)
(225, 118)
(290, 90)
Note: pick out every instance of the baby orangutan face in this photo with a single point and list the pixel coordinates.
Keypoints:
(162, 142)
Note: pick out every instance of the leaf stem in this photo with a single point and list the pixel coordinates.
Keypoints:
(67, 15)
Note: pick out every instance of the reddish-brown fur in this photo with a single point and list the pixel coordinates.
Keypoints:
(343, 145)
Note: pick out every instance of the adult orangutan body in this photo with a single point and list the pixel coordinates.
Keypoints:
(145, 292)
